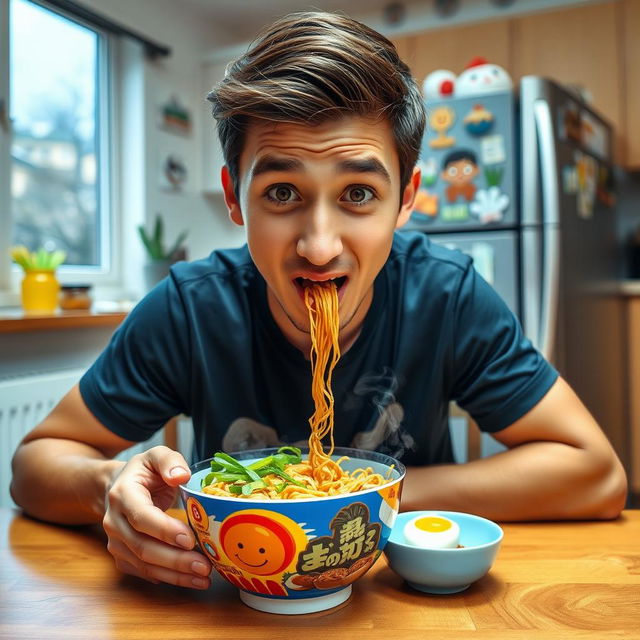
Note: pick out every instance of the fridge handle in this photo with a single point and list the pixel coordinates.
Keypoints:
(550, 230)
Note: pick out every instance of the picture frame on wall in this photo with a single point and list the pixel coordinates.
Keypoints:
(174, 117)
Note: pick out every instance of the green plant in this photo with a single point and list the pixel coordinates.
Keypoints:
(40, 260)
(154, 242)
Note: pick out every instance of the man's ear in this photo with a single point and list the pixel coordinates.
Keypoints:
(230, 199)
(408, 197)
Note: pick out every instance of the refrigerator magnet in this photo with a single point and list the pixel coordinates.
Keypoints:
(479, 121)
(586, 169)
(426, 203)
(455, 212)
(429, 172)
(492, 150)
(441, 120)
(569, 180)
(489, 205)
(493, 175)
(459, 169)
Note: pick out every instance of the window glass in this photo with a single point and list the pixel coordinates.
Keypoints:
(54, 88)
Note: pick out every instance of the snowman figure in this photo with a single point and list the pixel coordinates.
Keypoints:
(481, 78)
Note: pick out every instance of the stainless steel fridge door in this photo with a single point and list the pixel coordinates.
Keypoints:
(495, 256)
(469, 165)
(570, 257)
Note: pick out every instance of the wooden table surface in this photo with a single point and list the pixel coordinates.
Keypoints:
(550, 580)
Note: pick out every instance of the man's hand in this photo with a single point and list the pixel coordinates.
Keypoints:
(145, 541)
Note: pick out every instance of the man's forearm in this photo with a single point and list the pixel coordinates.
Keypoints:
(535, 481)
(62, 481)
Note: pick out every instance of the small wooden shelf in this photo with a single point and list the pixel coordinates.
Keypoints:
(15, 320)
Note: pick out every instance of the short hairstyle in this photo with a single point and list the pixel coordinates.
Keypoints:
(309, 67)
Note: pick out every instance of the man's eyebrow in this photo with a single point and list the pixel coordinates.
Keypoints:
(365, 165)
(272, 163)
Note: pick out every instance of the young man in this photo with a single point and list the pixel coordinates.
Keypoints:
(321, 125)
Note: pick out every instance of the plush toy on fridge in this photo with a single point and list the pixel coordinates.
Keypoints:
(480, 78)
(439, 84)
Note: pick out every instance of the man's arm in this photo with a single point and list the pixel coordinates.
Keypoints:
(559, 465)
(63, 472)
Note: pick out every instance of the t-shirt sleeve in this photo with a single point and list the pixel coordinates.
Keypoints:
(499, 375)
(140, 380)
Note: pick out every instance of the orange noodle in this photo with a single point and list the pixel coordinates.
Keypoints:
(319, 475)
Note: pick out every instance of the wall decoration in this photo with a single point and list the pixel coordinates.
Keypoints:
(175, 117)
(173, 172)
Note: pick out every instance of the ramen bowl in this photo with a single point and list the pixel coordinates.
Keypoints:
(444, 570)
(295, 556)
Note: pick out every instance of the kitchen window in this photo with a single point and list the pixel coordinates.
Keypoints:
(55, 133)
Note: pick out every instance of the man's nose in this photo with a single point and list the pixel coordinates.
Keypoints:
(320, 239)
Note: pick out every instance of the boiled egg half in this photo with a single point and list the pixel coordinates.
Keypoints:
(432, 531)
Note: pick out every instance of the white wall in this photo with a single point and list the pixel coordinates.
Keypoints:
(189, 36)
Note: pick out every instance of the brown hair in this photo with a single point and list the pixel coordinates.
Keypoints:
(312, 66)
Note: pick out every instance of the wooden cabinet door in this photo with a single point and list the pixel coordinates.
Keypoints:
(454, 48)
(631, 85)
(578, 46)
(633, 390)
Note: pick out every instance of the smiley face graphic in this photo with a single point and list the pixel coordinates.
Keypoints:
(257, 544)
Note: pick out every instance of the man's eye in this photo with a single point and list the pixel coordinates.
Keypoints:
(358, 195)
(282, 194)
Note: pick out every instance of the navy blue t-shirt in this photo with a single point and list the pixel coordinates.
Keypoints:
(204, 343)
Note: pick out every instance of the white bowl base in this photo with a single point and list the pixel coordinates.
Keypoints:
(297, 606)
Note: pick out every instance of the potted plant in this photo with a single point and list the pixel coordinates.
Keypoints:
(40, 286)
(160, 258)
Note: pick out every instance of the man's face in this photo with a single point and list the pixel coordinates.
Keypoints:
(319, 203)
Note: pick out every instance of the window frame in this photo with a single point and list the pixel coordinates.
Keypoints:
(107, 275)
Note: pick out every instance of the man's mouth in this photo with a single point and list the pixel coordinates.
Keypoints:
(302, 283)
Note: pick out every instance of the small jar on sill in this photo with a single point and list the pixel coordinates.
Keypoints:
(75, 297)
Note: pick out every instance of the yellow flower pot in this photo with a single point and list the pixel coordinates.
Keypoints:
(40, 291)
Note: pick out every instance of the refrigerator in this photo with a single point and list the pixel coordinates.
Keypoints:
(522, 181)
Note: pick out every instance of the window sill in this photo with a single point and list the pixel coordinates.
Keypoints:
(15, 320)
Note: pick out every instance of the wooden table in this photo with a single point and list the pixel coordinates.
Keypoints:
(550, 580)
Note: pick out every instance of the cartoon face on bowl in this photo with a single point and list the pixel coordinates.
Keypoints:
(256, 542)
(295, 556)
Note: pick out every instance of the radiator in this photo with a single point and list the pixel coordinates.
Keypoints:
(26, 400)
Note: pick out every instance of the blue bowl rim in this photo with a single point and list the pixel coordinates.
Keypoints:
(361, 454)
(446, 514)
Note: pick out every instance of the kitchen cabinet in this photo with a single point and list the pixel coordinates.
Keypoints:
(630, 21)
(580, 47)
(454, 48)
(593, 46)
(633, 385)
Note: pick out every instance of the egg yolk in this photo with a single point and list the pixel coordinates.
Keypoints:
(432, 524)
